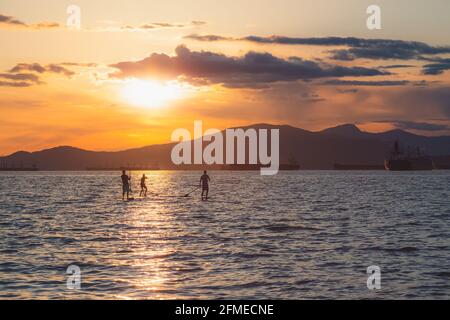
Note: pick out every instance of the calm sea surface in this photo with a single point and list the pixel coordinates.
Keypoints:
(294, 236)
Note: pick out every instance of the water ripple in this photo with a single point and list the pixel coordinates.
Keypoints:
(292, 236)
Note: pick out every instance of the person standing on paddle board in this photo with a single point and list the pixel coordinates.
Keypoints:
(204, 183)
(143, 186)
(125, 185)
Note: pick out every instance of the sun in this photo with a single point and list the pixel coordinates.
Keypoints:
(151, 94)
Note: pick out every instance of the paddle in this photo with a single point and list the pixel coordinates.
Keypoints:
(130, 188)
(187, 195)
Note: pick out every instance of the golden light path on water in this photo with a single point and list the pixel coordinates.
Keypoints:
(149, 249)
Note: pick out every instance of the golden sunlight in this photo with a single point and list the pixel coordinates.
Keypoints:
(152, 94)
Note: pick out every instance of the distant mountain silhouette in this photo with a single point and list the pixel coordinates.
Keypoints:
(346, 130)
(345, 144)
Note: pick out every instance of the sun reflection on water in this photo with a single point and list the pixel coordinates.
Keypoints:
(148, 240)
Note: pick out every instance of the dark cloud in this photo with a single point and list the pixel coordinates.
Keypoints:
(399, 51)
(28, 74)
(13, 22)
(382, 83)
(32, 67)
(325, 41)
(421, 126)
(20, 77)
(397, 66)
(251, 70)
(438, 67)
(54, 68)
(377, 49)
(374, 49)
(208, 38)
(19, 80)
(36, 67)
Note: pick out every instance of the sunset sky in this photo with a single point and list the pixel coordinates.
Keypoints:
(139, 69)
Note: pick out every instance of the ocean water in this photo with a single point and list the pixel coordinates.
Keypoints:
(298, 235)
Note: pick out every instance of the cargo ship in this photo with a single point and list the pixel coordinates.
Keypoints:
(410, 161)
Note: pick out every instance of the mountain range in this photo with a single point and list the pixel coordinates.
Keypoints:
(345, 144)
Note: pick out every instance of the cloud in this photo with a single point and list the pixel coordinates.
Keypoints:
(254, 69)
(46, 25)
(19, 80)
(384, 53)
(382, 83)
(20, 84)
(209, 38)
(28, 74)
(421, 126)
(54, 68)
(157, 26)
(33, 67)
(9, 21)
(20, 77)
(438, 67)
(376, 49)
(198, 23)
(79, 64)
(397, 66)
(326, 41)
(36, 67)
(383, 49)
(12, 22)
